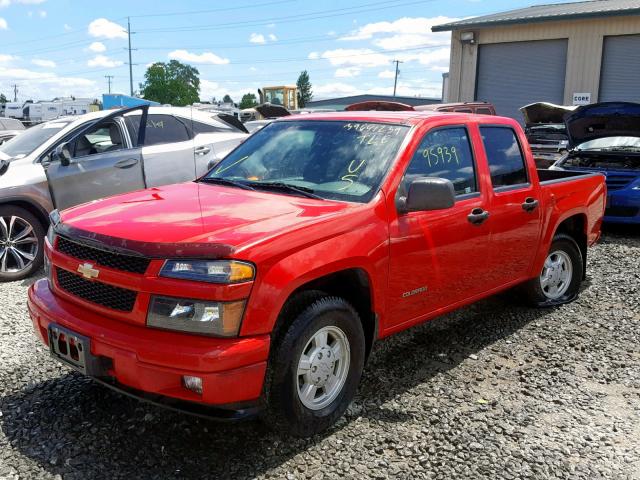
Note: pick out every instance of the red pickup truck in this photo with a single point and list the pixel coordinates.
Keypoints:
(262, 287)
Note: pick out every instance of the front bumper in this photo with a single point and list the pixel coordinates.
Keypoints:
(623, 206)
(150, 364)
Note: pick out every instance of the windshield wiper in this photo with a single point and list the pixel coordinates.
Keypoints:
(286, 187)
(227, 182)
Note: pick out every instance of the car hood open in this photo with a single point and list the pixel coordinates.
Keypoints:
(545, 113)
(269, 110)
(601, 120)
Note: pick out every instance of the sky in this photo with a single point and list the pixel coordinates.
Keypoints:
(55, 48)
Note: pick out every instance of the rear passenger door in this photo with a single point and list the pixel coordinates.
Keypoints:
(168, 152)
(439, 258)
(514, 211)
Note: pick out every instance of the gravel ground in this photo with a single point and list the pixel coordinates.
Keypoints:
(493, 391)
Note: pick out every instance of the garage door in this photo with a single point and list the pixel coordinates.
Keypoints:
(620, 69)
(511, 75)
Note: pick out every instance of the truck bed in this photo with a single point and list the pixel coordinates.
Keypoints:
(555, 176)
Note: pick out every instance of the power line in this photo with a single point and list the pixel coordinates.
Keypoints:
(289, 18)
(214, 10)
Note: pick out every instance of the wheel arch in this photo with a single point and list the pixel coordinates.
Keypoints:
(31, 207)
(575, 226)
(353, 285)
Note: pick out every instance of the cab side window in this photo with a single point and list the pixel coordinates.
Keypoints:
(444, 153)
(104, 137)
(504, 155)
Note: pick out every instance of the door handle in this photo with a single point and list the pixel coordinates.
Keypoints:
(530, 204)
(128, 163)
(477, 216)
(202, 150)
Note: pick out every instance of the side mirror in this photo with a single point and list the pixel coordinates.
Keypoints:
(428, 193)
(4, 166)
(212, 163)
(62, 154)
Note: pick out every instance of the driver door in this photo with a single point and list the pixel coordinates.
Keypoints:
(104, 161)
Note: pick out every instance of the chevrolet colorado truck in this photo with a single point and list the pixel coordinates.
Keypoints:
(261, 287)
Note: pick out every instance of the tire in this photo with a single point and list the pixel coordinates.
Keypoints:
(293, 407)
(21, 252)
(561, 275)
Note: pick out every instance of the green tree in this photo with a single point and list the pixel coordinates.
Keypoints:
(227, 99)
(248, 101)
(173, 82)
(3, 99)
(305, 92)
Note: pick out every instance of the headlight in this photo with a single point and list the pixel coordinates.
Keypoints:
(196, 316)
(214, 271)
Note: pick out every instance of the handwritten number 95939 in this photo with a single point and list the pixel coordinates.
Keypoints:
(441, 155)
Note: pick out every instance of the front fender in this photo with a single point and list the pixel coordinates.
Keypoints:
(364, 248)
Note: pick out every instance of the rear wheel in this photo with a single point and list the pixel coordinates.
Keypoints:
(561, 275)
(316, 367)
(21, 243)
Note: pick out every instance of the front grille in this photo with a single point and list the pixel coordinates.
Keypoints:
(622, 211)
(117, 261)
(616, 182)
(101, 294)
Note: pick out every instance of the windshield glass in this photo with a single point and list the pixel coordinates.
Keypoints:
(332, 159)
(623, 143)
(27, 142)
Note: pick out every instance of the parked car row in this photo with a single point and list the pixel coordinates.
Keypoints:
(73, 160)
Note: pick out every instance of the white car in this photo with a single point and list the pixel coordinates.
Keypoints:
(73, 160)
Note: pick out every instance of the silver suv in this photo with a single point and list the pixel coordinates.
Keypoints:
(70, 161)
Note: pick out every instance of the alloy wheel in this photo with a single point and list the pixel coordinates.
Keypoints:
(556, 275)
(323, 368)
(18, 244)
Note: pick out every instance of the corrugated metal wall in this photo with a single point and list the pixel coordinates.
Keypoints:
(620, 76)
(584, 51)
(506, 79)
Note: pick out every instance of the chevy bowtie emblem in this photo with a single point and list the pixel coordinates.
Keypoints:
(87, 271)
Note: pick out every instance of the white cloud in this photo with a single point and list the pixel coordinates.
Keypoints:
(205, 57)
(103, 28)
(313, 56)
(6, 58)
(46, 85)
(387, 74)
(257, 38)
(335, 89)
(67, 27)
(407, 25)
(97, 47)
(44, 63)
(271, 25)
(42, 13)
(3, 24)
(361, 57)
(272, 37)
(347, 72)
(6, 3)
(103, 61)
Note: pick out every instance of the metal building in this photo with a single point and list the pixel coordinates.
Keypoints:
(570, 53)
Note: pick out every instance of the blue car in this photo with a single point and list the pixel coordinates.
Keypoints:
(605, 138)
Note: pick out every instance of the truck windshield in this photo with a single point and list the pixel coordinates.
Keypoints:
(330, 159)
(25, 143)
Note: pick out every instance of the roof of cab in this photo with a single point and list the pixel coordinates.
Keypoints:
(403, 117)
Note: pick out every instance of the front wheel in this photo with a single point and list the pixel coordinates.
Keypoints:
(316, 368)
(21, 243)
(561, 275)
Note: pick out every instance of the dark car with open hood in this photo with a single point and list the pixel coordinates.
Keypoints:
(605, 138)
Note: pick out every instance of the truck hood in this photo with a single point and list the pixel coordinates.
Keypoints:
(544, 113)
(193, 219)
(602, 120)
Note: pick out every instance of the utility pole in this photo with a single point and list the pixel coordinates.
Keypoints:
(109, 78)
(15, 93)
(130, 64)
(395, 82)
